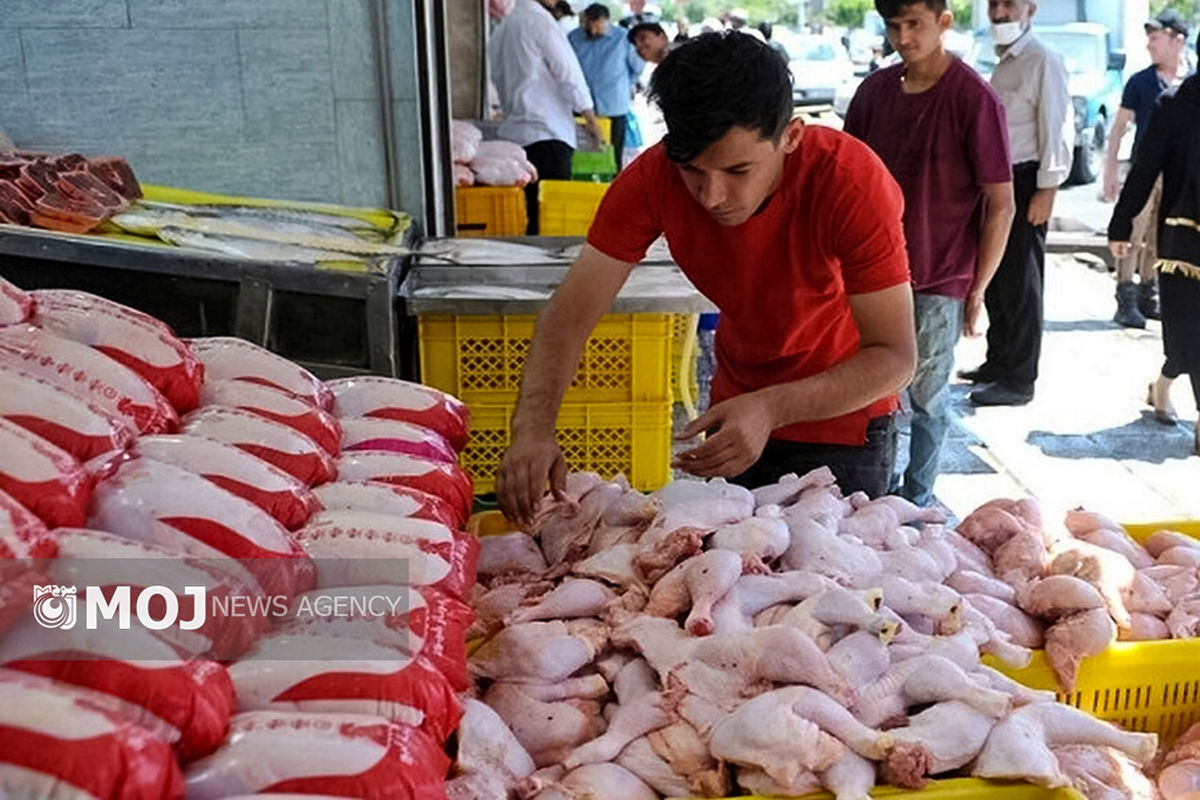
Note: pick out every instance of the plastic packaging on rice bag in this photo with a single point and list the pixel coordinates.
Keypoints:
(143, 492)
(89, 374)
(61, 417)
(26, 544)
(346, 755)
(192, 701)
(147, 349)
(447, 481)
(63, 742)
(388, 498)
(274, 404)
(389, 398)
(372, 433)
(15, 305)
(273, 442)
(81, 299)
(43, 477)
(230, 358)
(305, 669)
(279, 494)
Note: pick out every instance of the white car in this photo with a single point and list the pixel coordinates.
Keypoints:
(819, 66)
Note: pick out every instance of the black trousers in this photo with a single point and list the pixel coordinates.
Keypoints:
(619, 126)
(1014, 297)
(858, 469)
(552, 159)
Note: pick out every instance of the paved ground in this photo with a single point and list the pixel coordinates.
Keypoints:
(1087, 438)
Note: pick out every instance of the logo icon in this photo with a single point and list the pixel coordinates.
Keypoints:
(54, 606)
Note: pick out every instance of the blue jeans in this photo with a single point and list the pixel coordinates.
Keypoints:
(939, 326)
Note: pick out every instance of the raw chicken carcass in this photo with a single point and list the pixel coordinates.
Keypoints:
(1160, 541)
(548, 731)
(539, 652)
(1057, 596)
(925, 679)
(633, 718)
(596, 781)
(759, 540)
(229, 358)
(511, 552)
(789, 487)
(44, 478)
(388, 398)
(57, 415)
(817, 549)
(1110, 572)
(1102, 773)
(276, 405)
(991, 525)
(1022, 557)
(1120, 542)
(353, 754)
(951, 734)
(273, 442)
(968, 581)
(705, 504)
(694, 586)
(89, 374)
(1179, 768)
(1022, 629)
(1184, 620)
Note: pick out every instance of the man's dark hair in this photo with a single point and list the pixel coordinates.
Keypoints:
(892, 8)
(766, 29)
(716, 81)
(651, 27)
(595, 12)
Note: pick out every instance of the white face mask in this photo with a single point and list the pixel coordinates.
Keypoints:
(1005, 33)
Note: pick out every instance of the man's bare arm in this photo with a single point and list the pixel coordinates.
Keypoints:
(1112, 182)
(562, 329)
(999, 211)
(883, 365)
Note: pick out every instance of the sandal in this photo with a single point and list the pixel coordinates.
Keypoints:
(1164, 412)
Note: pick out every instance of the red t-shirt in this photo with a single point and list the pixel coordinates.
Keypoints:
(781, 279)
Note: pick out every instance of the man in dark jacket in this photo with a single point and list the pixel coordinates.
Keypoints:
(1170, 148)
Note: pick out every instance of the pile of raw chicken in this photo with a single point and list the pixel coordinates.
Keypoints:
(707, 640)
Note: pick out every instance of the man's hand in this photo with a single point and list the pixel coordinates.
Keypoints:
(1119, 249)
(593, 129)
(1041, 205)
(972, 311)
(523, 474)
(1112, 187)
(738, 431)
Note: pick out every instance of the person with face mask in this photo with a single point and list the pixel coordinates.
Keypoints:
(1166, 36)
(940, 129)
(1032, 83)
(795, 233)
(611, 67)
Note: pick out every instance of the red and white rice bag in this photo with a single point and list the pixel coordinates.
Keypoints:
(230, 358)
(89, 374)
(60, 742)
(447, 481)
(279, 494)
(389, 398)
(26, 545)
(387, 498)
(373, 433)
(353, 548)
(306, 669)
(420, 622)
(345, 755)
(189, 703)
(43, 477)
(273, 404)
(126, 336)
(61, 417)
(273, 442)
(16, 305)
(143, 492)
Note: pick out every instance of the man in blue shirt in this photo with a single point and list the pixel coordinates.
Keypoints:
(1166, 36)
(611, 68)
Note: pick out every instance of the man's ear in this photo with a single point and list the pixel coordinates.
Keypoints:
(792, 134)
(946, 20)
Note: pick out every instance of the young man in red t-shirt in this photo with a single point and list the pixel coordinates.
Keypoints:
(794, 233)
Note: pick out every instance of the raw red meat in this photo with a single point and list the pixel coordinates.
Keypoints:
(279, 494)
(82, 186)
(447, 481)
(370, 396)
(345, 755)
(61, 417)
(15, 206)
(115, 172)
(285, 447)
(229, 358)
(388, 498)
(277, 405)
(44, 478)
(89, 374)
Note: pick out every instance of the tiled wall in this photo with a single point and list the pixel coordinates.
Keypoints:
(266, 97)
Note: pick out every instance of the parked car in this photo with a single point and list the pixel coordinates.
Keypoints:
(1094, 81)
(819, 65)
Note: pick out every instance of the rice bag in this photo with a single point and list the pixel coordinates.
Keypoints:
(389, 398)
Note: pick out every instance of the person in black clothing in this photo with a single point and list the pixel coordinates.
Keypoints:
(1171, 148)
(1166, 37)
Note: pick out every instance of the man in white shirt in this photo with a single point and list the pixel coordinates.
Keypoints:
(541, 88)
(1032, 83)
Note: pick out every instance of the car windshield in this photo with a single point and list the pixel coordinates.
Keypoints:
(1081, 53)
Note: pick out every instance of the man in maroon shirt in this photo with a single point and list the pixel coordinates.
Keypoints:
(794, 233)
(940, 128)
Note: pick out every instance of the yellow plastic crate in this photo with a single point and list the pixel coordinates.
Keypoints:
(683, 326)
(1142, 686)
(605, 128)
(957, 789)
(567, 208)
(608, 438)
(490, 211)
(480, 358)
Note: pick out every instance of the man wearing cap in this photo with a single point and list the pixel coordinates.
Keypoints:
(611, 67)
(1166, 36)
